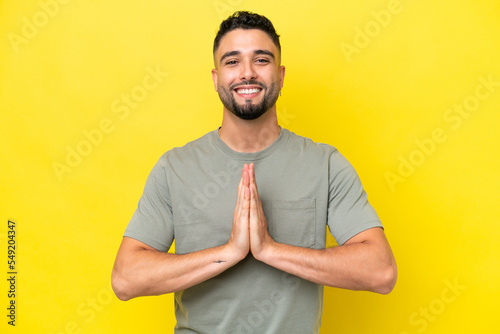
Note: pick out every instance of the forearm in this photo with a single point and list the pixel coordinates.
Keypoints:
(144, 272)
(367, 265)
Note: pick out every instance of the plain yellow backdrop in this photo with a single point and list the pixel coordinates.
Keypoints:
(93, 92)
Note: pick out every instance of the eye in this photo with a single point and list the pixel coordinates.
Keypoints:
(231, 62)
(262, 61)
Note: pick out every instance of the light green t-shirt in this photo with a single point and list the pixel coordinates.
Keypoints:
(190, 196)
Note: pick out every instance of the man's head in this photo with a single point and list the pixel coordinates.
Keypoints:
(247, 75)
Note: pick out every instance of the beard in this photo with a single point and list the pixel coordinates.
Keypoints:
(248, 110)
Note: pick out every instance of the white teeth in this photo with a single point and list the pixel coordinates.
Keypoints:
(248, 91)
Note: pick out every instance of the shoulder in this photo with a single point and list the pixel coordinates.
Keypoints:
(179, 158)
(311, 150)
(306, 145)
(192, 149)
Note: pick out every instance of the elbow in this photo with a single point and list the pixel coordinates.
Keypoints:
(120, 287)
(386, 279)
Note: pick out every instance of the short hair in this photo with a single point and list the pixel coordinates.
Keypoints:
(246, 20)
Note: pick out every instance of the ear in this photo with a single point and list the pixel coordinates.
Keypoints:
(215, 79)
(282, 75)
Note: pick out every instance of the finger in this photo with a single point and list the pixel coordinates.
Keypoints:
(255, 192)
(254, 223)
(239, 192)
(253, 184)
(246, 201)
(240, 195)
(253, 204)
(244, 181)
(251, 172)
(246, 176)
(243, 172)
(245, 196)
(245, 204)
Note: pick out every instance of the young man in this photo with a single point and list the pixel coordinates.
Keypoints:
(251, 259)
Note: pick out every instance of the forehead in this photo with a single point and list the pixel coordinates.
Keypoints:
(246, 40)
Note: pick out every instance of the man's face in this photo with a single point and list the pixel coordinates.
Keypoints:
(247, 73)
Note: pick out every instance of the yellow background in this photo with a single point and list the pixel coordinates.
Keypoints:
(375, 103)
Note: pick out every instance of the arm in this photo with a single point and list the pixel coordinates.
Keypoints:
(364, 262)
(141, 270)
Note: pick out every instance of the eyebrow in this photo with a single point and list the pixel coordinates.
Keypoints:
(264, 52)
(256, 52)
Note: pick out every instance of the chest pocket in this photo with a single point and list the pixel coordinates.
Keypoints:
(293, 222)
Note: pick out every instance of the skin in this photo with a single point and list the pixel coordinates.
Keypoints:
(364, 262)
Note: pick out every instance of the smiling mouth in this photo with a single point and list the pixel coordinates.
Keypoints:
(248, 92)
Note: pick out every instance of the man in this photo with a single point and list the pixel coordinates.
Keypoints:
(251, 259)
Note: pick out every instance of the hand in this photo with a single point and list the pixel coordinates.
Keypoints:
(240, 234)
(259, 234)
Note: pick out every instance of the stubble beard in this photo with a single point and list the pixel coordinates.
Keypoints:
(249, 111)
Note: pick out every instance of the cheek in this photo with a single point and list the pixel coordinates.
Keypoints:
(272, 75)
(221, 80)
(228, 78)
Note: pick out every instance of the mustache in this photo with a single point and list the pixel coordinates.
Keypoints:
(249, 82)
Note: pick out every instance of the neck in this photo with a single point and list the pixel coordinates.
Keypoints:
(249, 136)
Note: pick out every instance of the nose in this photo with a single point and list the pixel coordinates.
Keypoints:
(248, 71)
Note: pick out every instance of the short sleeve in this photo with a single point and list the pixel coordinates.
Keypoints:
(152, 220)
(349, 211)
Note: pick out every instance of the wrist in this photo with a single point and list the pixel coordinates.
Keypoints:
(233, 253)
(264, 253)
